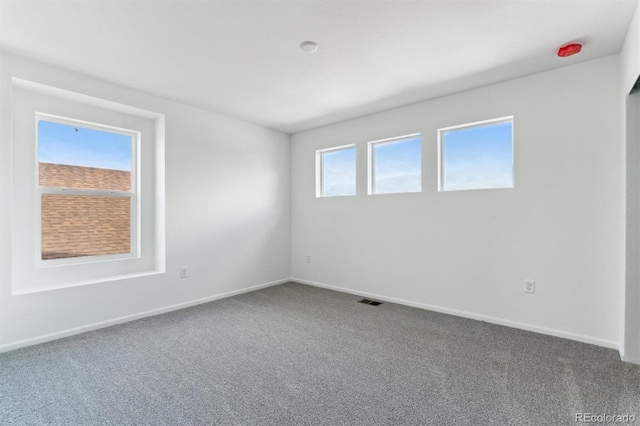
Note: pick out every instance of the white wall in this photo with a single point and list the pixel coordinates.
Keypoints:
(468, 252)
(629, 72)
(630, 54)
(227, 215)
(631, 337)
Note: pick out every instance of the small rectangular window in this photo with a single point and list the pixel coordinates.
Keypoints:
(86, 184)
(336, 171)
(395, 165)
(477, 155)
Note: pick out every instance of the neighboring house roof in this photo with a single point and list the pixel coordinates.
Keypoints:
(60, 175)
(74, 226)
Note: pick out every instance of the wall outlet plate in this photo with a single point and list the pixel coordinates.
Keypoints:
(184, 272)
(529, 286)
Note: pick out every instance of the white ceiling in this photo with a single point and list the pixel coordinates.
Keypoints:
(241, 58)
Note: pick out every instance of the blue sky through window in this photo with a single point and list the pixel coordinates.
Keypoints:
(478, 157)
(339, 172)
(397, 166)
(62, 144)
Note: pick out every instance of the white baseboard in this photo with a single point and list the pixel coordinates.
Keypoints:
(108, 323)
(508, 323)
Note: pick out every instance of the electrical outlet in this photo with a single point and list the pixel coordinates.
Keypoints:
(184, 272)
(529, 286)
(308, 258)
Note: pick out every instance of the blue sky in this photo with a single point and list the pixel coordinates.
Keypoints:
(478, 157)
(397, 166)
(339, 172)
(62, 144)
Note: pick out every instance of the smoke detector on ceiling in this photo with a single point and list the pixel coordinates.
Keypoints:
(309, 46)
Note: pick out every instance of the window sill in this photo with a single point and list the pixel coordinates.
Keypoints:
(24, 291)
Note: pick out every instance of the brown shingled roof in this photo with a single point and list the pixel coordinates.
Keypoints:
(63, 176)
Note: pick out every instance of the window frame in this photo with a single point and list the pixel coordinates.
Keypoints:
(371, 174)
(132, 194)
(28, 98)
(320, 170)
(441, 166)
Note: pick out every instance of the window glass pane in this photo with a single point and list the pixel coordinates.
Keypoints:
(339, 172)
(77, 157)
(76, 225)
(478, 157)
(397, 166)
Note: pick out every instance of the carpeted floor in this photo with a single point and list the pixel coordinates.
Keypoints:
(299, 355)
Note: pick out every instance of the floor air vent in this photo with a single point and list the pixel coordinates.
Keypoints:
(370, 302)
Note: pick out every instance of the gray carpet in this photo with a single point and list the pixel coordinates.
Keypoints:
(298, 355)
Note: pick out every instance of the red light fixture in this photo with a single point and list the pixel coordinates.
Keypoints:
(569, 49)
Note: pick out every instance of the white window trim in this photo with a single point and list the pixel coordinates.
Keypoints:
(320, 170)
(506, 119)
(371, 178)
(133, 194)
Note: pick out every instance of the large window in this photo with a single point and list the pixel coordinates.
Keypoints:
(395, 165)
(477, 155)
(336, 171)
(86, 189)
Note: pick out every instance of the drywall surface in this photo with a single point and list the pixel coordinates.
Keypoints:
(632, 291)
(227, 215)
(630, 54)
(629, 71)
(469, 252)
